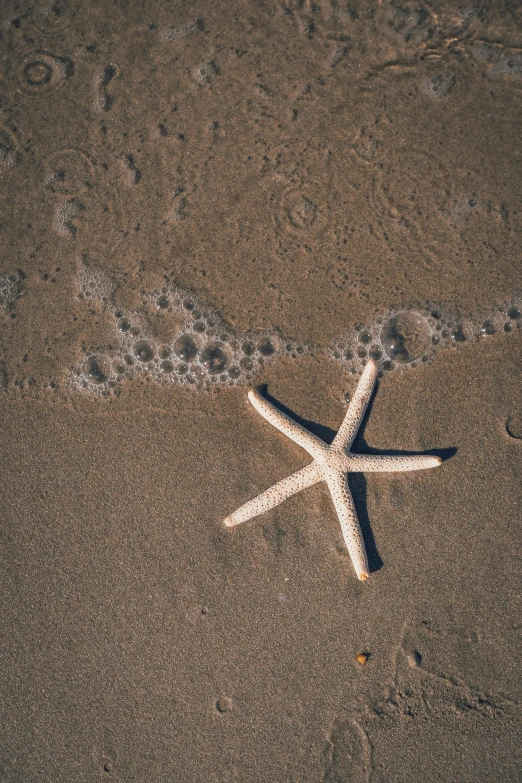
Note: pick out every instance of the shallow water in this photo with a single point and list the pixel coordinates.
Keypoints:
(368, 168)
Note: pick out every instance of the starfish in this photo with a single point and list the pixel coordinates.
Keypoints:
(331, 464)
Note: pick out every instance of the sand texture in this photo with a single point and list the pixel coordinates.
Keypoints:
(196, 199)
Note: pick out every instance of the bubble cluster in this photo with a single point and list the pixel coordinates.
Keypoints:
(95, 283)
(177, 33)
(173, 339)
(65, 216)
(103, 98)
(439, 85)
(409, 337)
(9, 287)
(400, 338)
(505, 318)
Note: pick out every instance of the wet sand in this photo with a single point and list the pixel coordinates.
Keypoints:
(301, 169)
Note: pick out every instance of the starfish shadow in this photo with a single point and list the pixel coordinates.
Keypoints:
(361, 446)
(358, 484)
(357, 481)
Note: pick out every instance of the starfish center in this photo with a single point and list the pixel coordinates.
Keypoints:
(333, 460)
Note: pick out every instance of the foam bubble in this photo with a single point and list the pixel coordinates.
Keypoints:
(124, 325)
(400, 339)
(406, 337)
(458, 334)
(98, 373)
(185, 348)
(214, 358)
(172, 338)
(488, 327)
(144, 351)
(266, 347)
(246, 364)
(166, 366)
(97, 369)
(163, 302)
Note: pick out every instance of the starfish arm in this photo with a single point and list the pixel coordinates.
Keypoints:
(376, 463)
(284, 489)
(286, 425)
(342, 500)
(356, 409)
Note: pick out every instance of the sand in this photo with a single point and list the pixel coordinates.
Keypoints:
(296, 169)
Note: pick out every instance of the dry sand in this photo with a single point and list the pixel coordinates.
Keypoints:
(300, 168)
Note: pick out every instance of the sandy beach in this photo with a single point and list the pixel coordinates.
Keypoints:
(198, 199)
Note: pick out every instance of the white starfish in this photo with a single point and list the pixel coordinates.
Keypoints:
(331, 464)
